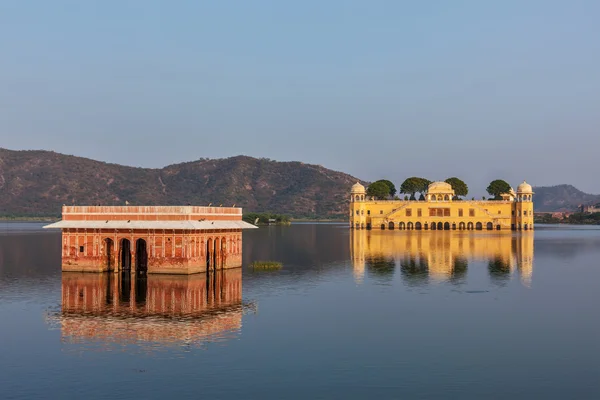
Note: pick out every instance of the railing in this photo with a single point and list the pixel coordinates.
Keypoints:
(181, 210)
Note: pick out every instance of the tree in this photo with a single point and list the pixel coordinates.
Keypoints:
(498, 187)
(413, 185)
(390, 185)
(459, 186)
(379, 190)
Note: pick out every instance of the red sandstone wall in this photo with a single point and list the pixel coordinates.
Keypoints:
(180, 252)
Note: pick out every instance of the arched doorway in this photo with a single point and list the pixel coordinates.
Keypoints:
(417, 226)
(453, 227)
(498, 227)
(470, 226)
(461, 226)
(525, 227)
(209, 253)
(479, 226)
(425, 227)
(433, 226)
(109, 249)
(447, 226)
(141, 256)
(401, 226)
(382, 227)
(391, 226)
(440, 226)
(490, 226)
(125, 255)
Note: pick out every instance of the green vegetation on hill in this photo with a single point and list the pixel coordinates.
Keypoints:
(38, 183)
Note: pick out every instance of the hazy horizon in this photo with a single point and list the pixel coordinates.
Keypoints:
(373, 89)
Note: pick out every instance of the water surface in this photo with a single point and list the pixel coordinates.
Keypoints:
(388, 314)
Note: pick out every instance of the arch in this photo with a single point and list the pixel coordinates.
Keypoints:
(382, 227)
(357, 198)
(446, 198)
(357, 225)
(125, 255)
(391, 225)
(401, 226)
(431, 197)
(440, 197)
(462, 226)
(141, 256)
(109, 247)
(470, 226)
(453, 226)
(362, 226)
(440, 226)
(425, 227)
(209, 252)
(479, 226)
(447, 226)
(490, 226)
(498, 227)
(525, 227)
(417, 226)
(433, 226)
(362, 197)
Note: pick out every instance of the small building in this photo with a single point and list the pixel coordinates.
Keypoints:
(151, 239)
(442, 211)
(589, 208)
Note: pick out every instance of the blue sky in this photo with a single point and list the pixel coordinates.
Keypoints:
(379, 89)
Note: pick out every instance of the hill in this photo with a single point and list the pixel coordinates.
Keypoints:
(561, 198)
(38, 183)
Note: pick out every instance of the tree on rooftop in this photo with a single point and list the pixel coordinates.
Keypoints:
(458, 185)
(380, 190)
(498, 187)
(413, 185)
(389, 185)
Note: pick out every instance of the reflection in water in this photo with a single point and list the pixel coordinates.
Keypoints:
(441, 255)
(119, 308)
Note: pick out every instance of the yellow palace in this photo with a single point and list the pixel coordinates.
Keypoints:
(439, 211)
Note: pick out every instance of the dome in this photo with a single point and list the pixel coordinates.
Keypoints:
(440, 187)
(524, 188)
(357, 188)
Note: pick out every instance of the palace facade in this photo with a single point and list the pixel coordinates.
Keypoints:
(151, 239)
(442, 211)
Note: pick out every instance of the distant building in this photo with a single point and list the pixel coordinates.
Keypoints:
(440, 211)
(589, 208)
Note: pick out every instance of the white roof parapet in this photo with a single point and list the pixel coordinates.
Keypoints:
(178, 225)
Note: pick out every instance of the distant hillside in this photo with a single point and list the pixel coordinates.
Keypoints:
(561, 198)
(38, 183)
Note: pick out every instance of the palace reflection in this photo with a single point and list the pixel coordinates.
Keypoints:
(444, 255)
(123, 308)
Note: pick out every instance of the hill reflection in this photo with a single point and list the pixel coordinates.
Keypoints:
(179, 309)
(441, 256)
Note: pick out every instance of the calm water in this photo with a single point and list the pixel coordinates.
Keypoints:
(374, 314)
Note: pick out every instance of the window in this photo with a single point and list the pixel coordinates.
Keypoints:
(525, 212)
(460, 212)
(368, 212)
(380, 211)
(513, 212)
(81, 249)
(471, 212)
(357, 212)
(409, 212)
(419, 213)
(498, 211)
(446, 212)
(362, 212)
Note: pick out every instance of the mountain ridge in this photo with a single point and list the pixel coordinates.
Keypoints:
(38, 182)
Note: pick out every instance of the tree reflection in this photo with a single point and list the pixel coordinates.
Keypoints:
(459, 270)
(381, 266)
(499, 270)
(414, 270)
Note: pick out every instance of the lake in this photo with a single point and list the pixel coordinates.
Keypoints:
(367, 314)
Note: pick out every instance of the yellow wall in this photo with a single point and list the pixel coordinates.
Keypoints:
(373, 214)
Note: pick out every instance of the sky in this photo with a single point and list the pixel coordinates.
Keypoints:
(378, 89)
